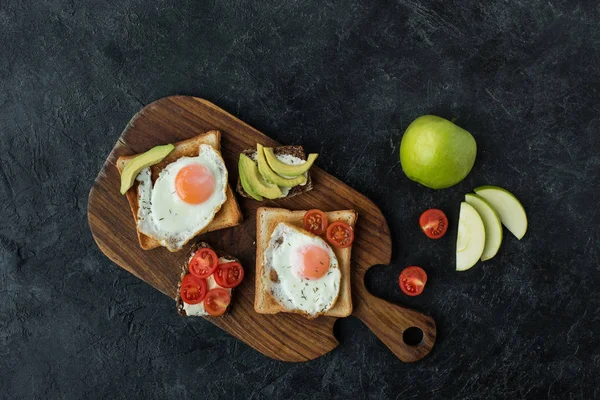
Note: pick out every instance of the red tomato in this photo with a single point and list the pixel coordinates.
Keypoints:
(315, 221)
(434, 223)
(412, 280)
(193, 289)
(340, 234)
(216, 301)
(229, 275)
(203, 263)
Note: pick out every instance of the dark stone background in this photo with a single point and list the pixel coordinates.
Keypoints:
(344, 78)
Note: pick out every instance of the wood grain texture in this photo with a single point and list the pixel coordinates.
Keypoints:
(282, 336)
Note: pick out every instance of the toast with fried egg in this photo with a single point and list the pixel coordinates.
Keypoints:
(270, 221)
(228, 213)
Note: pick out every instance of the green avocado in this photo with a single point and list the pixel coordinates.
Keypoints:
(144, 160)
(271, 176)
(253, 183)
(286, 169)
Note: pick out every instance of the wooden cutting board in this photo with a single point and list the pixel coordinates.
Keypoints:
(282, 336)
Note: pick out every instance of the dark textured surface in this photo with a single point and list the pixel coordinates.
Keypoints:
(344, 79)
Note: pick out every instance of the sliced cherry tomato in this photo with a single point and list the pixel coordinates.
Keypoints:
(340, 234)
(229, 275)
(412, 280)
(193, 289)
(315, 221)
(216, 301)
(434, 223)
(203, 263)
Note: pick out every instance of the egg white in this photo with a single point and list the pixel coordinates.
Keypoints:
(291, 290)
(164, 216)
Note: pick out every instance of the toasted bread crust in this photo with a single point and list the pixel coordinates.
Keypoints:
(266, 221)
(184, 271)
(230, 213)
(296, 151)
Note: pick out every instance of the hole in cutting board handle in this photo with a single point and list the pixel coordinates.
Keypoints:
(413, 336)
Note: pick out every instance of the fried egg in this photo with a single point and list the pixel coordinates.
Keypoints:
(184, 199)
(301, 270)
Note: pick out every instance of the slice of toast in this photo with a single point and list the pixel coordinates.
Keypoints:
(229, 215)
(266, 221)
(184, 271)
(296, 151)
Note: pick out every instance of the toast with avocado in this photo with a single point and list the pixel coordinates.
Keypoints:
(273, 173)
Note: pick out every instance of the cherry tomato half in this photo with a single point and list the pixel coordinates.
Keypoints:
(216, 301)
(193, 289)
(434, 223)
(315, 221)
(340, 234)
(412, 280)
(229, 275)
(203, 263)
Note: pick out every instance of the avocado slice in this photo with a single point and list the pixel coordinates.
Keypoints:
(286, 169)
(144, 160)
(271, 176)
(243, 167)
(253, 183)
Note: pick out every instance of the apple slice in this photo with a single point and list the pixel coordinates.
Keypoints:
(471, 237)
(491, 223)
(511, 212)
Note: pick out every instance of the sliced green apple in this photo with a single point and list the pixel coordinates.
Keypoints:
(511, 211)
(471, 237)
(491, 223)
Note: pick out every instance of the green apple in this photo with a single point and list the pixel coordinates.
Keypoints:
(437, 153)
(511, 211)
(471, 237)
(491, 223)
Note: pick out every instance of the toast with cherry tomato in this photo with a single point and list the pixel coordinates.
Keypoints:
(207, 280)
(336, 228)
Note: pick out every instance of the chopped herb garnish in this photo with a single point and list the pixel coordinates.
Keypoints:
(160, 219)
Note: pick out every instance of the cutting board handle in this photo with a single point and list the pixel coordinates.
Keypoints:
(399, 328)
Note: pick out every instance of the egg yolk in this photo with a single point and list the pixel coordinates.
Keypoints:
(194, 183)
(315, 262)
